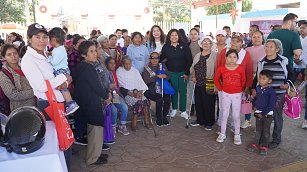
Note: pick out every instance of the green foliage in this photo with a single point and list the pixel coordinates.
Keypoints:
(170, 10)
(12, 11)
(247, 5)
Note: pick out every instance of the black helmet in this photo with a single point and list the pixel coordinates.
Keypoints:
(25, 130)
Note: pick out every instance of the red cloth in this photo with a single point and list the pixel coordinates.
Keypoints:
(246, 64)
(115, 79)
(230, 81)
(19, 71)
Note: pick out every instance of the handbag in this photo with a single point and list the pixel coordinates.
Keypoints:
(246, 105)
(108, 131)
(55, 111)
(293, 103)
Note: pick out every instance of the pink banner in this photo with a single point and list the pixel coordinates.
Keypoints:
(265, 25)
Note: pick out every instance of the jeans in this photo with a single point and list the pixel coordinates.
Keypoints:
(278, 118)
(248, 117)
(263, 127)
(41, 105)
(162, 103)
(122, 106)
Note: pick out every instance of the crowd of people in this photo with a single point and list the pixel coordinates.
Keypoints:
(123, 71)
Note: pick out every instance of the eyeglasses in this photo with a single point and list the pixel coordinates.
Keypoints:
(154, 57)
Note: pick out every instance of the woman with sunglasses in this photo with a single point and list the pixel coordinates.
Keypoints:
(154, 93)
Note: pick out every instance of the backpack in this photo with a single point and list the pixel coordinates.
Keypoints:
(5, 101)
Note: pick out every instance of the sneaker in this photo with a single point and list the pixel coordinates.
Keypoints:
(218, 131)
(106, 156)
(208, 128)
(246, 124)
(233, 130)
(304, 124)
(165, 121)
(109, 142)
(105, 147)
(263, 150)
(273, 145)
(81, 141)
(159, 122)
(237, 139)
(194, 124)
(184, 115)
(100, 161)
(221, 138)
(253, 148)
(123, 129)
(173, 113)
(71, 107)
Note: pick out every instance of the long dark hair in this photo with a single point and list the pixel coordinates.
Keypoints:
(168, 37)
(152, 41)
(184, 36)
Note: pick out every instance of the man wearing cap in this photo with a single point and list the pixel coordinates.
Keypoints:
(220, 40)
(244, 60)
(291, 44)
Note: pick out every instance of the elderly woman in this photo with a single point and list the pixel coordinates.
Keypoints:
(137, 52)
(278, 65)
(91, 85)
(118, 101)
(203, 70)
(13, 82)
(132, 87)
(106, 51)
(178, 61)
(163, 102)
(37, 70)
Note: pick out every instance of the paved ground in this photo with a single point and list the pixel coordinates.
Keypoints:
(194, 149)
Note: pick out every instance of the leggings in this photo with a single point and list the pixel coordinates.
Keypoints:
(232, 101)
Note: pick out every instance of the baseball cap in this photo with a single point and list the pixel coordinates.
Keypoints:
(34, 29)
(221, 32)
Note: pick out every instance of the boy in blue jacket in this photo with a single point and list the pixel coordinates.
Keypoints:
(264, 103)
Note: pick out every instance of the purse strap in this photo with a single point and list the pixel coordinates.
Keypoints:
(290, 84)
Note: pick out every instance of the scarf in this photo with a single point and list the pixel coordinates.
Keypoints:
(131, 79)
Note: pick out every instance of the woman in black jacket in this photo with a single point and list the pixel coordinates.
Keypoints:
(91, 95)
(178, 59)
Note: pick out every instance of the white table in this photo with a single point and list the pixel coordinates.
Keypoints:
(48, 158)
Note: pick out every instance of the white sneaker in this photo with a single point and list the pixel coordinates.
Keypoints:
(221, 138)
(237, 139)
(184, 115)
(304, 124)
(246, 124)
(173, 113)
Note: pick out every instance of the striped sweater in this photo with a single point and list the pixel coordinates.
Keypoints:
(279, 68)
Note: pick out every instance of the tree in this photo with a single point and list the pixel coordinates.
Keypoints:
(171, 10)
(12, 11)
(247, 5)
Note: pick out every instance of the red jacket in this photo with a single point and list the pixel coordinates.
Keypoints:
(246, 64)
